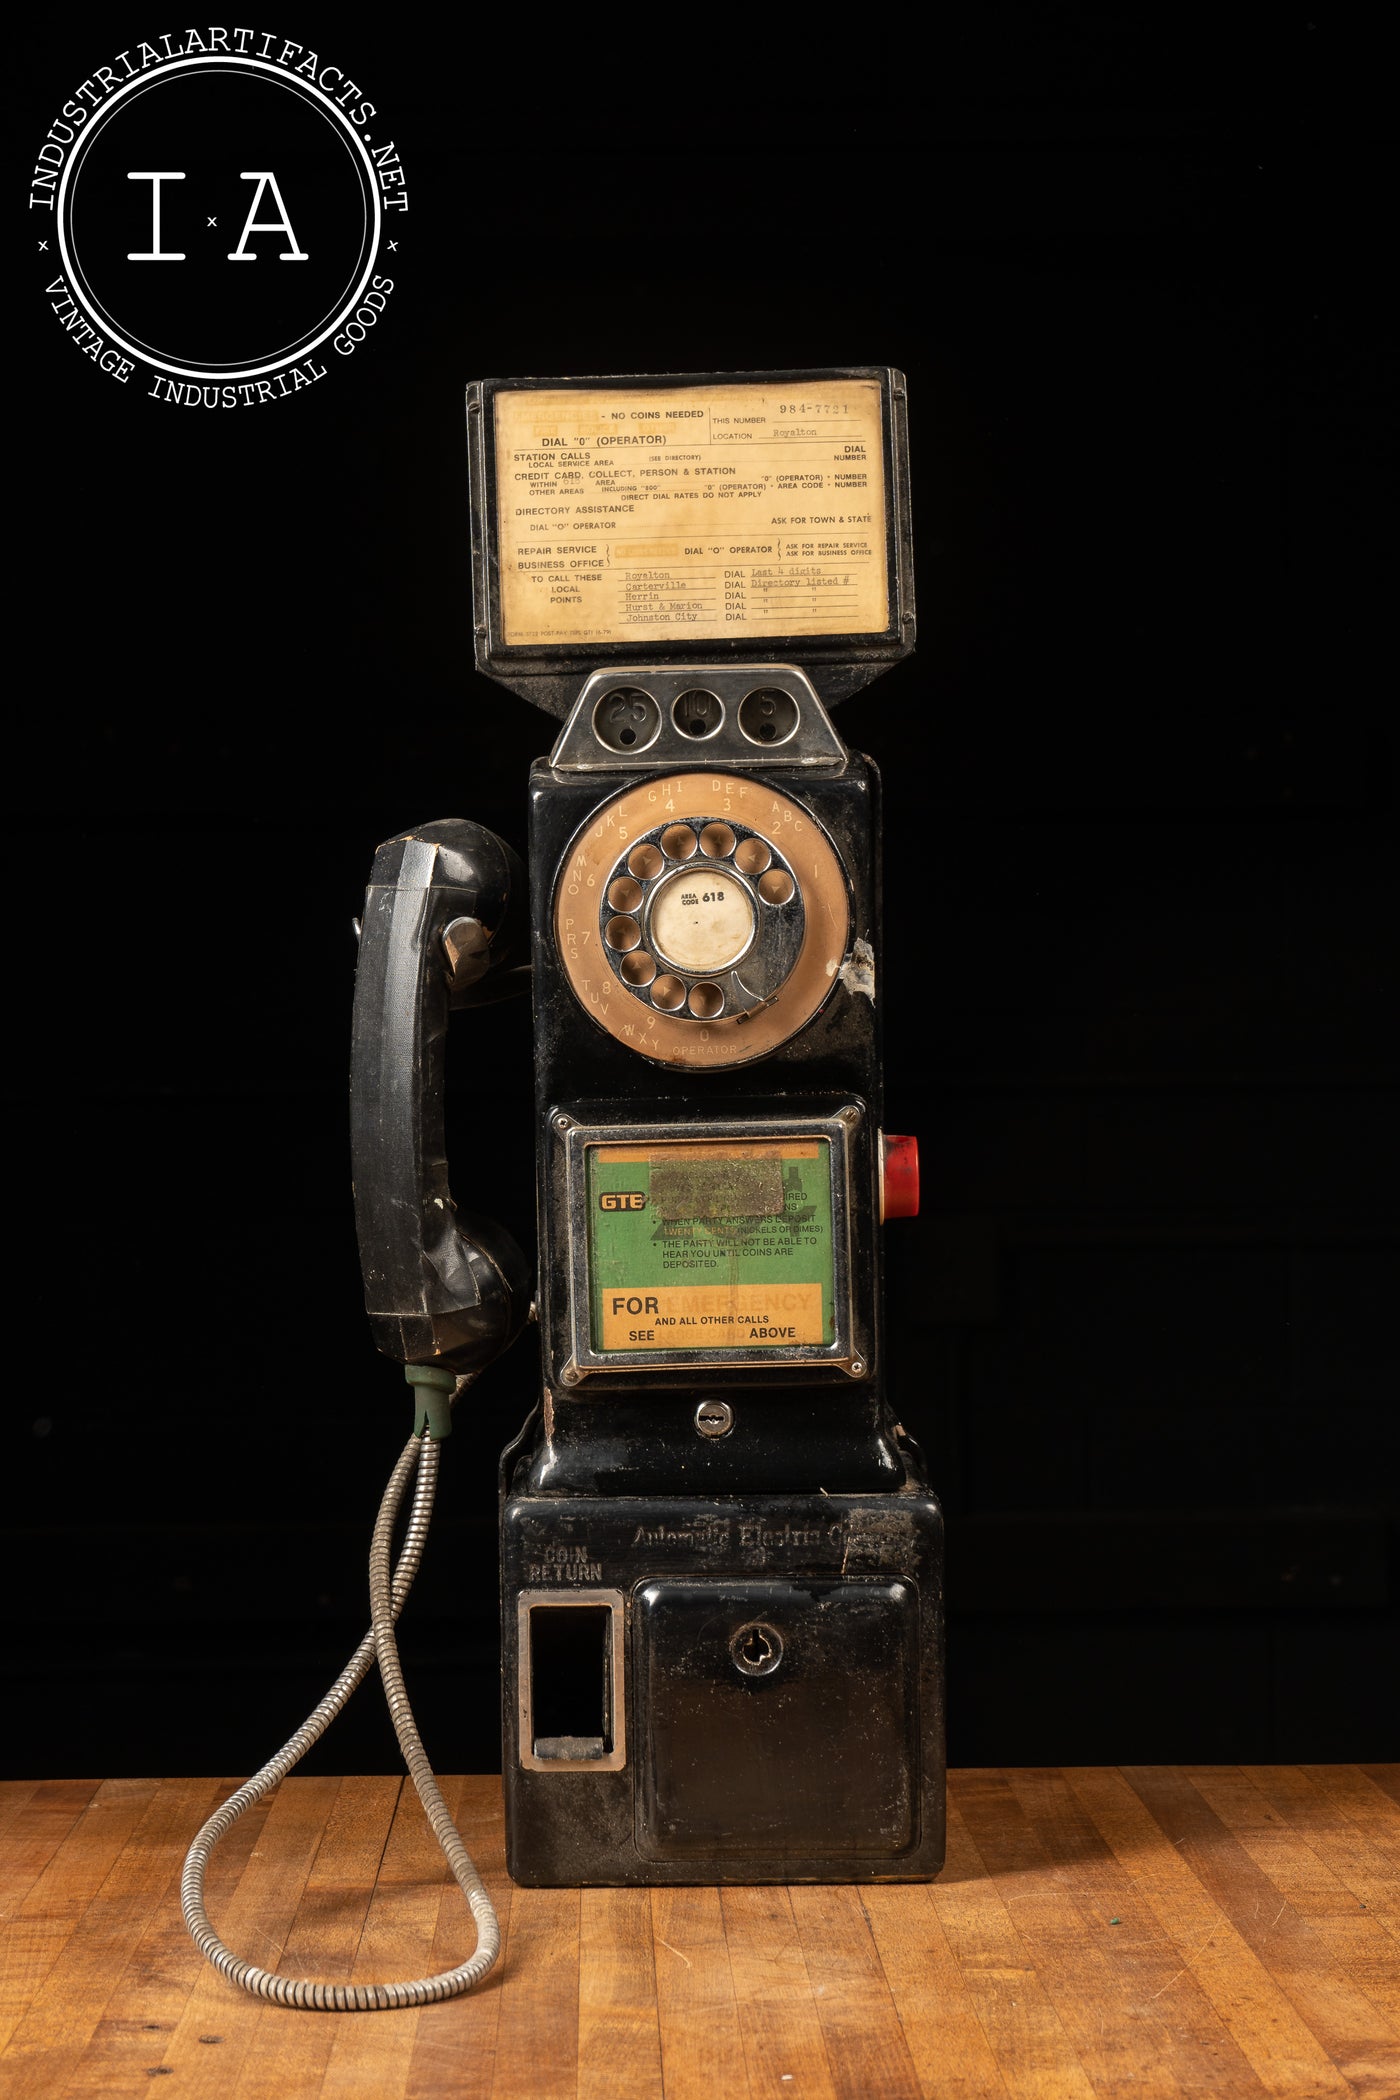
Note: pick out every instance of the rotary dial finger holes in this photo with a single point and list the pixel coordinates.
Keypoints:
(720, 981)
(702, 919)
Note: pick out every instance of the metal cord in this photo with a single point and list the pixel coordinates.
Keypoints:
(387, 1597)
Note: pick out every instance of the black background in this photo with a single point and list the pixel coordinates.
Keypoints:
(1139, 983)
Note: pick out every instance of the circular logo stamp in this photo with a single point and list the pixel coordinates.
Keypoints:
(223, 213)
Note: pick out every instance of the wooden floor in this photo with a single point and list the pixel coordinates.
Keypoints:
(1148, 1932)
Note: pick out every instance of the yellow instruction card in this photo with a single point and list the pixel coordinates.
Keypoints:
(691, 512)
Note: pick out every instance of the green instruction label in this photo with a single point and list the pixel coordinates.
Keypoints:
(711, 1246)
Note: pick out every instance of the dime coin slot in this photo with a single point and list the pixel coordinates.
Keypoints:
(570, 1666)
(697, 713)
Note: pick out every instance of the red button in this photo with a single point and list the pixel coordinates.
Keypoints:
(901, 1177)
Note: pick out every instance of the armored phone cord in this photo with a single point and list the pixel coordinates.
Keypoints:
(387, 1598)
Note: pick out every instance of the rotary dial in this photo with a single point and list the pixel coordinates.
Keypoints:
(701, 918)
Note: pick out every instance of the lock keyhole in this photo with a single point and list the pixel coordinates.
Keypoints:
(757, 1649)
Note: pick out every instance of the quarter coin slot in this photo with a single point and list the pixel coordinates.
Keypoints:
(706, 1001)
(697, 713)
(626, 719)
(768, 716)
(570, 1665)
(775, 887)
(669, 994)
(622, 934)
(717, 840)
(678, 843)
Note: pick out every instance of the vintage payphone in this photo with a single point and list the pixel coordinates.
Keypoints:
(721, 1560)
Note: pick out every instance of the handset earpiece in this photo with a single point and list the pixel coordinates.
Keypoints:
(444, 910)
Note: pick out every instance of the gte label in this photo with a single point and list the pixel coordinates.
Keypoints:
(622, 1199)
(172, 170)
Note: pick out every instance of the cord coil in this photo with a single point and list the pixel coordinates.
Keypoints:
(388, 1594)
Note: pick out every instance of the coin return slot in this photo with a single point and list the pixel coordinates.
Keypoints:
(569, 1660)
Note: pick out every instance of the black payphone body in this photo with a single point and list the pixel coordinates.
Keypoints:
(721, 1559)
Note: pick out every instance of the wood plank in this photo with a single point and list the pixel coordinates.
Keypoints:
(784, 2048)
(1172, 2029)
(865, 2045)
(619, 2041)
(24, 1798)
(537, 2036)
(1034, 2053)
(1300, 1870)
(1386, 1777)
(1357, 2037)
(455, 2044)
(39, 1819)
(1299, 1807)
(1118, 2042)
(1169, 1932)
(50, 2040)
(1362, 1802)
(371, 2055)
(90, 1823)
(1271, 2033)
(936, 2009)
(702, 2046)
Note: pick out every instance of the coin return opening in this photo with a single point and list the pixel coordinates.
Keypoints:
(570, 1666)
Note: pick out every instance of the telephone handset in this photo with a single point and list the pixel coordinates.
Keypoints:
(721, 1560)
(444, 918)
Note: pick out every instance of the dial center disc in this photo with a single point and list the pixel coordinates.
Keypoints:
(702, 918)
